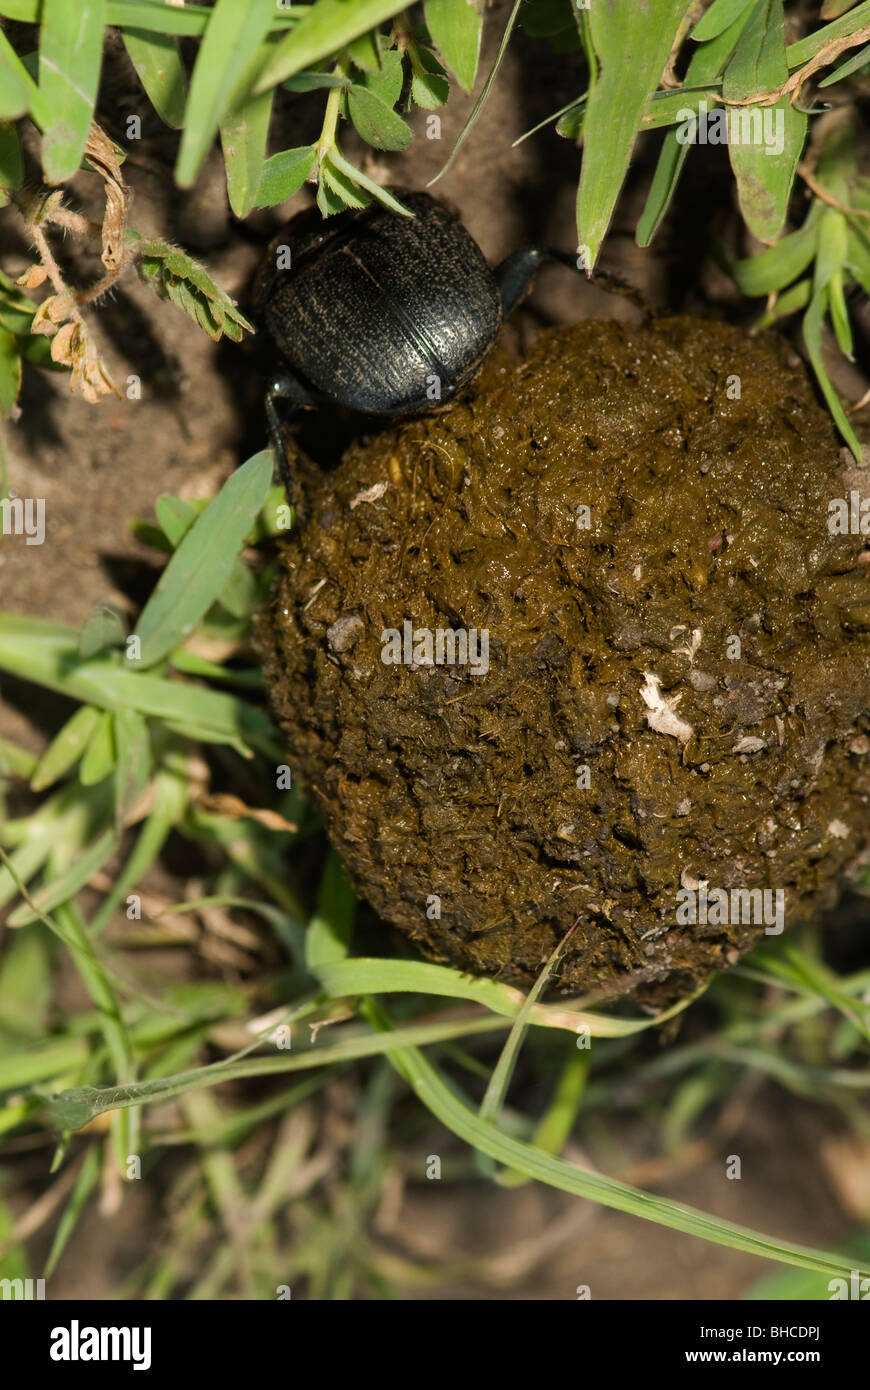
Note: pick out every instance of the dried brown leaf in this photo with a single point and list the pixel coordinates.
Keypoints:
(89, 374)
(235, 809)
(33, 277)
(100, 153)
(51, 313)
(62, 345)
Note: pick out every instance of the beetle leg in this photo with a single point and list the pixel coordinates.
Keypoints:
(606, 280)
(515, 274)
(284, 386)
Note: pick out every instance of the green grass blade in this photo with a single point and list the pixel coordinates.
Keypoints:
(706, 67)
(11, 168)
(21, 866)
(66, 748)
(25, 10)
(831, 257)
(324, 29)
(26, 985)
(13, 1258)
(456, 27)
(720, 15)
(240, 594)
(362, 975)
(176, 516)
(327, 939)
(790, 1286)
(70, 58)
(15, 761)
(554, 1130)
(210, 712)
(813, 975)
(840, 315)
(243, 140)
(831, 247)
(853, 64)
(781, 264)
(500, 1079)
(160, 17)
(155, 16)
(99, 756)
(16, 74)
(67, 884)
(170, 799)
(764, 176)
(65, 819)
(632, 44)
(132, 760)
(788, 302)
(832, 9)
(68, 925)
(667, 107)
(231, 42)
(15, 82)
(812, 326)
(197, 571)
(160, 70)
(34, 1065)
(10, 372)
(433, 1092)
(77, 1107)
(798, 297)
(485, 90)
(104, 627)
(46, 653)
(801, 52)
(191, 665)
(86, 1181)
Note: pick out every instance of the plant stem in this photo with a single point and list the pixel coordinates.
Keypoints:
(327, 140)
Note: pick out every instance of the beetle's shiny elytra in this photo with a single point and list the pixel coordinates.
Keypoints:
(381, 313)
(385, 314)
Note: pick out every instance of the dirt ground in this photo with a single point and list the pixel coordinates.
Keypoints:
(537, 1244)
(199, 416)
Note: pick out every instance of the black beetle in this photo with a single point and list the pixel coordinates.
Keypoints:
(385, 314)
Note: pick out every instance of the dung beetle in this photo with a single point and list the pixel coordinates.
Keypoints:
(385, 314)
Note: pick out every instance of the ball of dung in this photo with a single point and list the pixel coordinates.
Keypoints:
(589, 648)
